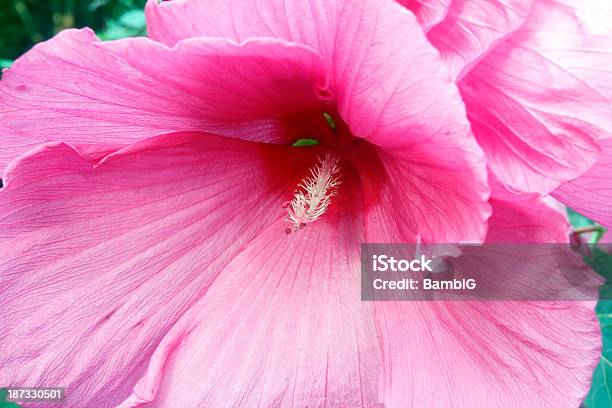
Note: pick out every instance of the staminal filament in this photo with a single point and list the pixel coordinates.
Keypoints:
(314, 193)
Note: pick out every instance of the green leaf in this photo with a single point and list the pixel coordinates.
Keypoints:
(583, 225)
(600, 394)
(129, 24)
(4, 403)
(4, 63)
(578, 220)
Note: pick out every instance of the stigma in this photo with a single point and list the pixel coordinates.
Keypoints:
(314, 193)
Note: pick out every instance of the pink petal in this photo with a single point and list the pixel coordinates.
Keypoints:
(504, 354)
(75, 88)
(428, 12)
(524, 218)
(292, 333)
(539, 102)
(472, 28)
(475, 354)
(473, 25)
(99, 260)
(303, 22)
(395, 96)
(591, 193)
(431, 182)
(418, 198)
(386, 92)
(605, 240)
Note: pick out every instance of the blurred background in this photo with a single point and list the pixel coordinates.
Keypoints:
(23, 23)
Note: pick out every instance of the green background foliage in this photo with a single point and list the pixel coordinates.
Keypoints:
(600, 394)
(24, 23)
(3, 402)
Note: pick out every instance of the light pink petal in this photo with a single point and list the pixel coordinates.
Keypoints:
(75, 88)
(581, 30)
(310, 23)
(524, 218)
(591, 193)
(540, 101)
(398, 97)
(462, 30)
(97, 261)
(474, 354)
(534, 269)
(428, 12)
(282, 326)
(491, 353)
(471, 28)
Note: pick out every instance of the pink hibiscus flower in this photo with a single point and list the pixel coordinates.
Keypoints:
(150, 184)
(535, 80)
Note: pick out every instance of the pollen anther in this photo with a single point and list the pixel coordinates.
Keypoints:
(313, 195)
